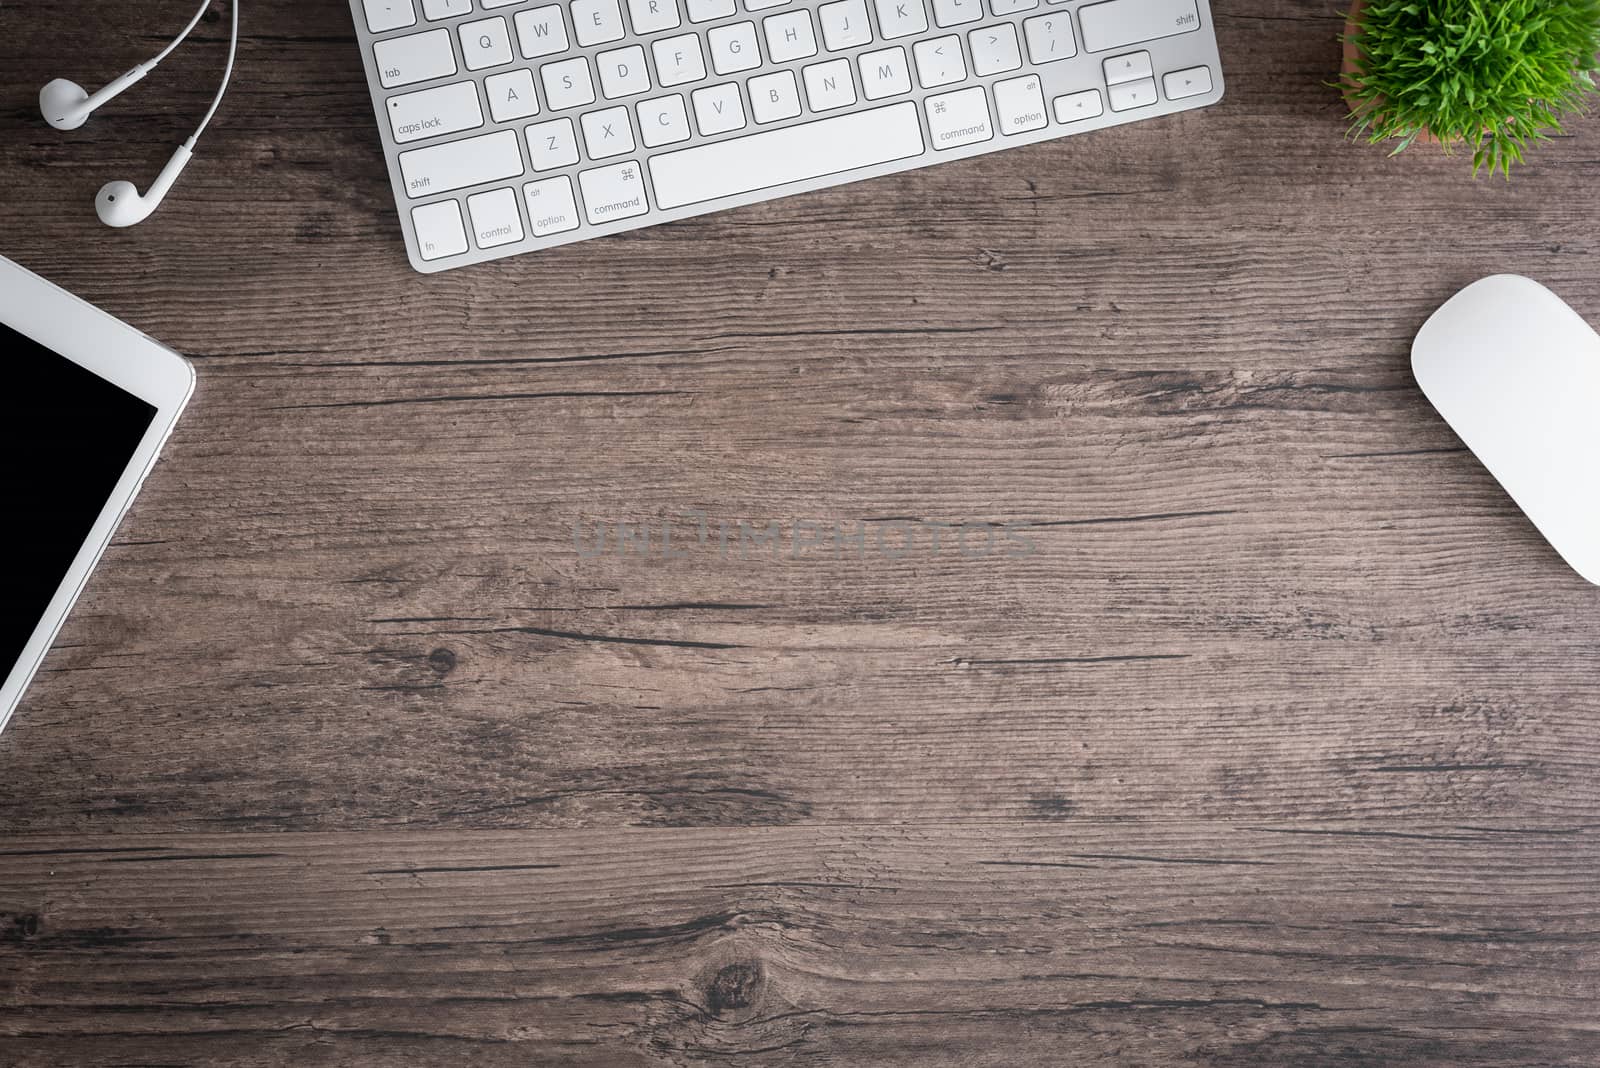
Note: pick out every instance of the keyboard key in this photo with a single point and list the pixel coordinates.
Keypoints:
(1130, 95)
(495, 218)
(541, 31)
(511, 95)
(552, 144)
(597, 21)
(1075, 107)
(663, 121)
(486, 43)
(958, 118)
(434, 10)
(733, 48)
(1120, 23)
(623, 72)
(678, 60)
(439, 230)
(884, 73)
(901, 18)
(457, 164)
(718, 109)
(706, 10)
(615, 192)
(790, 154)
(1049, 37)
(956, 12)
(653, 16)
(567, 84)
(1011, 7)
(828, 85)
(939, 61)
(763, 5)
(416, 57)
(551, 206)
(386, 15)
(1196, 81)
(1133, 67)
(435, 112)
(994, 49)
(1019, 104)
(608, 133)
(774, 96)
(844, 24)
(790, 36)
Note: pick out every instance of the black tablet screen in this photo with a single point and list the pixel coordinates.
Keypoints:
(67, 435)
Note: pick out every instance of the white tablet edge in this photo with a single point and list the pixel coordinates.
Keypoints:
(123, 356)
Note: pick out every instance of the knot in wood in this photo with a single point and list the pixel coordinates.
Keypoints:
(736, 986)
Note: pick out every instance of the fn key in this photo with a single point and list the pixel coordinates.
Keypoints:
(439, 230)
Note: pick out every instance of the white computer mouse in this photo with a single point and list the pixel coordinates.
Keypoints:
(1516, 374)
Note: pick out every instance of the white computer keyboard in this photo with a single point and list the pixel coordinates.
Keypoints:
(516, 125)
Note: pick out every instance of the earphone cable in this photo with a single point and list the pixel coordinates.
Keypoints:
(187, 30)
(227, 76)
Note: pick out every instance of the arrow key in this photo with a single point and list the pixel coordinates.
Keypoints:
(1075, 107)
(1133, 67)
(1196, 81)
(1126, 96)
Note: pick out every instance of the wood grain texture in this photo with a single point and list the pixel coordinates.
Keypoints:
(1277, 746)
(975, 944)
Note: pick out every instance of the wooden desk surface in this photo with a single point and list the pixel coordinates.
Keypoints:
(1276, 745)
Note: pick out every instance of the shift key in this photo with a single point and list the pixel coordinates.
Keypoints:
(458, 164)
(1120, 23)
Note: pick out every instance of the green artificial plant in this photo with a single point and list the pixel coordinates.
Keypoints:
(1497, 75)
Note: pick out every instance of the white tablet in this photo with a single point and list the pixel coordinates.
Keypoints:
(91, 401)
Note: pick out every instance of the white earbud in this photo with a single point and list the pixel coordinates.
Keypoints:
(67, 106)
(121, 204)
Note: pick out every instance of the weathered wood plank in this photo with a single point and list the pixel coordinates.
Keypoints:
(963, 943)
(1193, 627)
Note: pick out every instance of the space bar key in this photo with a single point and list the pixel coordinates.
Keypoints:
(788, 154)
